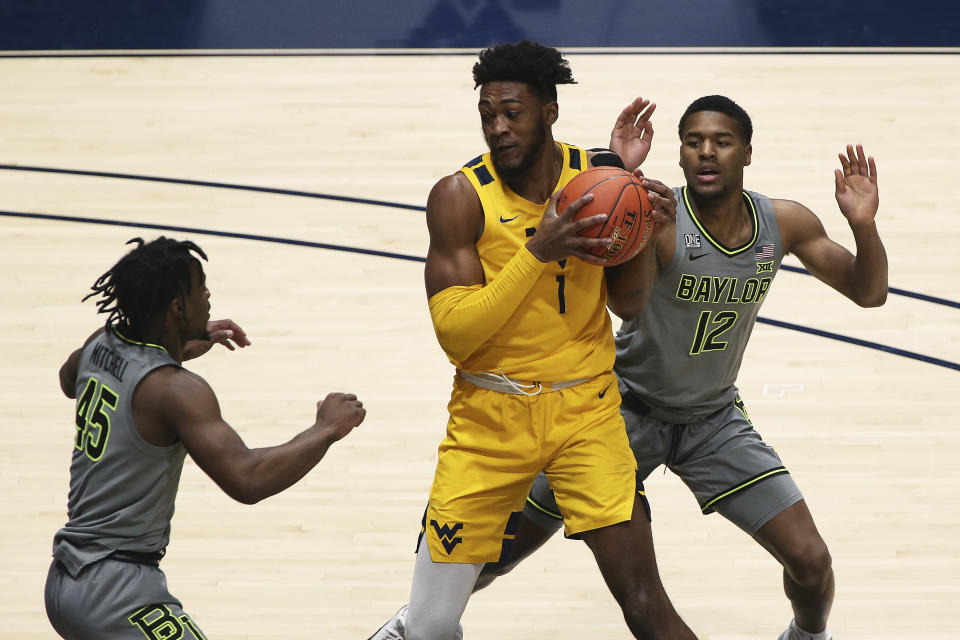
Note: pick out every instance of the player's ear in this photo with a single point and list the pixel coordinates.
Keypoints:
(747, 155)
(177, 308)
(551, 111)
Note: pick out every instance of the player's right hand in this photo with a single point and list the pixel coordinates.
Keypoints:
(556, 238)
(340, 413)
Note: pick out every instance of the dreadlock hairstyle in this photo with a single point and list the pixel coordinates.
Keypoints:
(541, 67)
(145, 281)
(720, 104)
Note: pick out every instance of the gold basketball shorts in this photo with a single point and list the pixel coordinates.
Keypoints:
(497, 443)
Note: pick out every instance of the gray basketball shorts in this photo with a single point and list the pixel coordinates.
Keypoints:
(722, 459)
(116, 600)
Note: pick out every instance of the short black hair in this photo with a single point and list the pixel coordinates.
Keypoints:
(144, 282)
(540, 66)
(720, 104)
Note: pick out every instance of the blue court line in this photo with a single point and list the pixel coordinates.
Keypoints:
(863, 343)
(402, 256)
(216, 185)
(210, 232)
(899, 292)
(378, 203)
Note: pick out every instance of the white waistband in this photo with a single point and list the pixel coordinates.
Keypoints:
(503, 384)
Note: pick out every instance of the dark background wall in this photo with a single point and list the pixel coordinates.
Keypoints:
(281, 24)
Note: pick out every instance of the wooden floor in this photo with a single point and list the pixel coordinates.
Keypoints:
(872, 437)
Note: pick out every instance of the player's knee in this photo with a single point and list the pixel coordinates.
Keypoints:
(810, 565)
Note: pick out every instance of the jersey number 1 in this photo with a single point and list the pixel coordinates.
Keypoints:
(96, 404)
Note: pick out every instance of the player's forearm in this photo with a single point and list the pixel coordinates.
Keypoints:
(868, 273)
(466, 317)
(270, 470)
(630, 285)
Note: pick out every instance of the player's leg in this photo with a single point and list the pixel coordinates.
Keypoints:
(593, 476)
(624, 553)
(112, 599)
(731, 470)
(792, 538)
(438, 598)
(485, 468)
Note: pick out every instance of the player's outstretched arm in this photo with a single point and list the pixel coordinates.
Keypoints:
(188, 409)
(632, 133)
(861, 277)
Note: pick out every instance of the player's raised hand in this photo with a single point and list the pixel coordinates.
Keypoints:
(856, 182)
(632, 133)
(557, 236)
(339, 413)
(218, 332)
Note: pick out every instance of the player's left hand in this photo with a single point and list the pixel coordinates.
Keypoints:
(218, 332)
(856, 182)
(663, 201)
(633, 133)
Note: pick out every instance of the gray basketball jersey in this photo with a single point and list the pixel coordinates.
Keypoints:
(682, 354)
(122, 489)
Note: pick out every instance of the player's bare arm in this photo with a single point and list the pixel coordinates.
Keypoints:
(454, 222)
(632, 133)
(630, 285)
(862, 277)
(176, 404)
(556, 236)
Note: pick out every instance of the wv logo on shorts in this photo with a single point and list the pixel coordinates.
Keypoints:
(446, 535)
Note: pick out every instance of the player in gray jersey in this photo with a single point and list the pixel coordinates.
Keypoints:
(682, 341)
(138, 413)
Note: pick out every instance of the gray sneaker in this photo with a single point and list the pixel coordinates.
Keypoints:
(393, 628)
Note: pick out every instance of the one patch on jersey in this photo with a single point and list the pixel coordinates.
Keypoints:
(691, 240)
(765, 267)
(764, 252)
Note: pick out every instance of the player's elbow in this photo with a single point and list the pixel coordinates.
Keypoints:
(873, 298)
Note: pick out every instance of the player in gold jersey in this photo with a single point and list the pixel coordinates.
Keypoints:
(518, 305)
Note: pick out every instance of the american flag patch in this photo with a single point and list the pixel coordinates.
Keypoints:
(764, 252)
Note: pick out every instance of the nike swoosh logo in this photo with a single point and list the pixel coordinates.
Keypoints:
(693, 257)
(603, 393)
(502, 219)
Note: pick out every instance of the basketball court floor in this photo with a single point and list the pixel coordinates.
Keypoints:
(304, 178)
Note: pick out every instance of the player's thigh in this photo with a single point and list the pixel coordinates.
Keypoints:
(111, 599)
(731, 470)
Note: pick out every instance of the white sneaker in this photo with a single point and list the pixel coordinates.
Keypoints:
(393, 628)
(793, 633)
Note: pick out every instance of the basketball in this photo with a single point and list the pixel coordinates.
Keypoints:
(621, 196)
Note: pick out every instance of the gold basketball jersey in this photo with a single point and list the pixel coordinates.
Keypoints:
(562, 330)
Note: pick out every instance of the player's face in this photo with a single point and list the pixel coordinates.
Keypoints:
(196, 304)
(515, 124)
(713, 154)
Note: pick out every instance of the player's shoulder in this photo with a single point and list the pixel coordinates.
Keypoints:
(452, 193)
(171, 384)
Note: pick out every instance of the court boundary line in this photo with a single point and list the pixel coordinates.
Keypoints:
(400, 256)
(379, 203)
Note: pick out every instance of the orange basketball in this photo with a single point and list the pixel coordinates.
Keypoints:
(621, 196)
